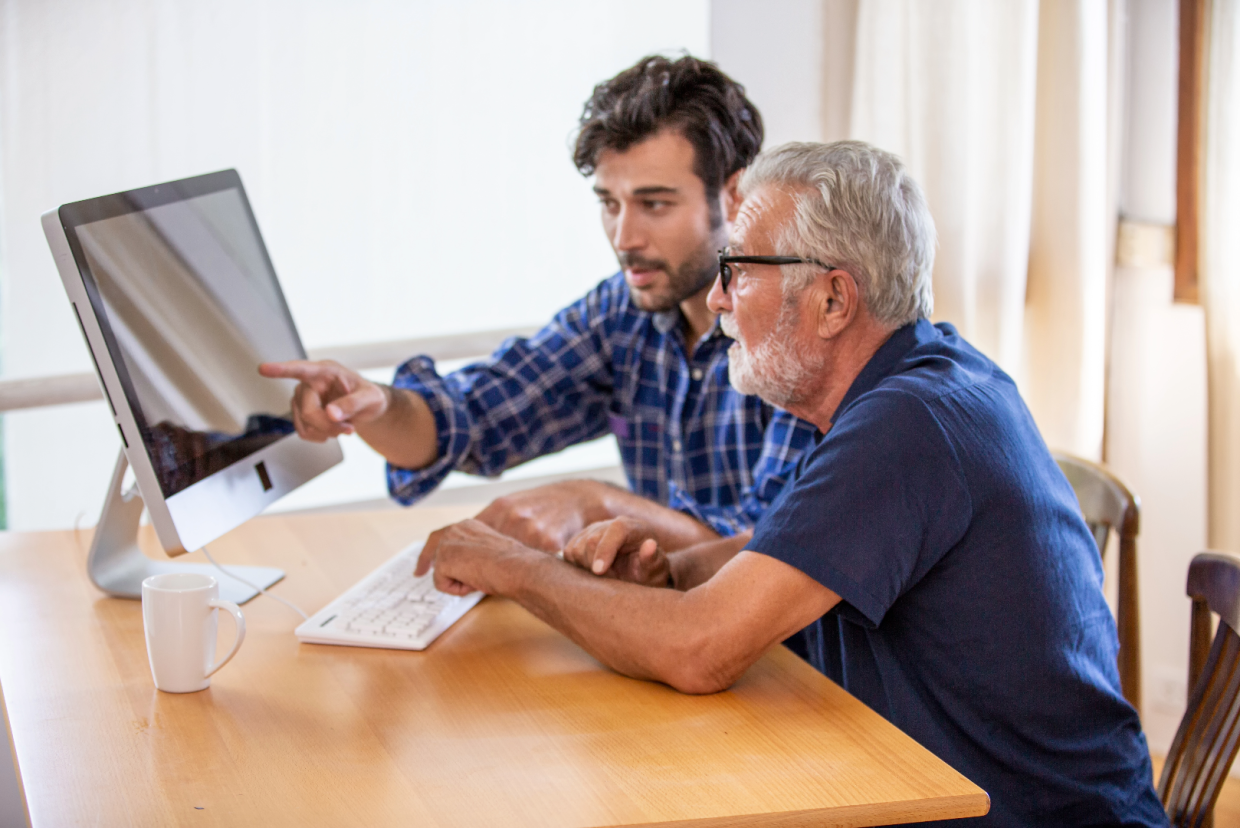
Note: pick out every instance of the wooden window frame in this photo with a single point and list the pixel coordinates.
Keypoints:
(1189, 133)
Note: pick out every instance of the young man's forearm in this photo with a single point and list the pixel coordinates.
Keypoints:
(697, 564)
(405, 433)
(672, 529)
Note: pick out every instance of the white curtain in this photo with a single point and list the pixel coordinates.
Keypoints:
(1220, 269)
(950, 87)
(1066, 303)
(1001, 111)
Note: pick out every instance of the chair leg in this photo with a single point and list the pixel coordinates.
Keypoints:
(1128, 623)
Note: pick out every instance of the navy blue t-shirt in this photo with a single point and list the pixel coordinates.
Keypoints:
(972, 613)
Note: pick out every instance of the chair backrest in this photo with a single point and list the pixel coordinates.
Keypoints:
(1105, 501)
(1107, 504)
(1206, 743)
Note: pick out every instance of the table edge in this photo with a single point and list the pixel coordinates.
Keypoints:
(959, 806)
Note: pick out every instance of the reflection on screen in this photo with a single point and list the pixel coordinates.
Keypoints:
(194, 308)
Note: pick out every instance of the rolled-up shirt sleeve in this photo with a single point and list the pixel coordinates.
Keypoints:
(533, 396)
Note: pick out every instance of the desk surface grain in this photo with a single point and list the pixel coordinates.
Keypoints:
(502, 721)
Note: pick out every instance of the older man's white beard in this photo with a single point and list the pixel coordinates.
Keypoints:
(774, 370)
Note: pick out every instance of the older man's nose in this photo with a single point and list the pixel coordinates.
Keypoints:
(717, 300)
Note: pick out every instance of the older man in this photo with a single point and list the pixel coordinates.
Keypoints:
(928, 543)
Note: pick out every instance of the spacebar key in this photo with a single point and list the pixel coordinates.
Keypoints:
(412, 628)
(368, 627)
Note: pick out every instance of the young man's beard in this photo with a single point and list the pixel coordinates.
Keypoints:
(774, 370)
(689, 279)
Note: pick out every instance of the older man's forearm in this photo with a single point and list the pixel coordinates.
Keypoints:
(642, 632)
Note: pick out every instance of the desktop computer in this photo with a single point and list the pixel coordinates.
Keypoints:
(178, 303)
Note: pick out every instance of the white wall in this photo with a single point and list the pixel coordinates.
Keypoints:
(408, 164)
(776, 49)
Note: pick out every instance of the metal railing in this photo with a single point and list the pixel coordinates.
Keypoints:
(63, 389)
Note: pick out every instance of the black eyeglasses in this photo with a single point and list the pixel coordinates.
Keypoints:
(725, 272)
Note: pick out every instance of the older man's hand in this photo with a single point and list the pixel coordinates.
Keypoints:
(622, 548)
(469, 556)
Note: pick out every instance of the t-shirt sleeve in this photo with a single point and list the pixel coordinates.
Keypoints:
(877, 504)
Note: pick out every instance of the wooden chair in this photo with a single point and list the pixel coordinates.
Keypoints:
(1108, 505)
(1206, 743)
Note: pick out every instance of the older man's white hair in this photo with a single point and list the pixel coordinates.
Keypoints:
(860, 210)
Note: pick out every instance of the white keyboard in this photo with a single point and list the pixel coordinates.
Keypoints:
(388, 608)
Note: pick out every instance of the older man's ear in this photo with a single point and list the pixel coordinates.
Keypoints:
(838, 302)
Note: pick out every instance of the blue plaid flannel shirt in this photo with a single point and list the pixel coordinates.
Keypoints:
(687, 439)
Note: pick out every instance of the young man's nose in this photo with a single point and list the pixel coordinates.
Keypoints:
(628, 233)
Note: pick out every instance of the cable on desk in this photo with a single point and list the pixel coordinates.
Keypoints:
(261, 591)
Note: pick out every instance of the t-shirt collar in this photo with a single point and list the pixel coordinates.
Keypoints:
(887, 358)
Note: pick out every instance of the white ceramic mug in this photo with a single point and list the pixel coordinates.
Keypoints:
(179, 612)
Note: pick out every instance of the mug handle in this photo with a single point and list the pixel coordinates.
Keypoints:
(220, 603)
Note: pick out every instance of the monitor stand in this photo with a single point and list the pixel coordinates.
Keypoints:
(117, 566)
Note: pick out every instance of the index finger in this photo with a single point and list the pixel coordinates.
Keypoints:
(608, 547)
(427, 556)
(578, 551)
(298, 369)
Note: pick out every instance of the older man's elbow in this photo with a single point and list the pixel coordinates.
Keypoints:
(695, 684)
(703, 671)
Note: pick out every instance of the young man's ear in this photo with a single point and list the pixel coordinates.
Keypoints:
(730, 196)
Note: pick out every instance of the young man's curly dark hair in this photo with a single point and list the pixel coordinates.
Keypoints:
(689, 95)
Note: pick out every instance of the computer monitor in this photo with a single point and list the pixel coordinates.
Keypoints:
(178, 303)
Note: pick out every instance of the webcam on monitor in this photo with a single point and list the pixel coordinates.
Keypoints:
(178, 302)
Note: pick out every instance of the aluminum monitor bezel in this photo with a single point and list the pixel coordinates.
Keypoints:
(205, 510)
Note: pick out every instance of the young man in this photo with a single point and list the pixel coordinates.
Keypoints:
(928, 546)
(640, 356)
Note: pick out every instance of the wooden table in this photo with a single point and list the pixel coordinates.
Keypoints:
(501, 722)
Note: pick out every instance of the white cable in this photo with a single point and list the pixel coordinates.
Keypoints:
(262, 591)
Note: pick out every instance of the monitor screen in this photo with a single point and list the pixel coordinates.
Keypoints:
(189, 305)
